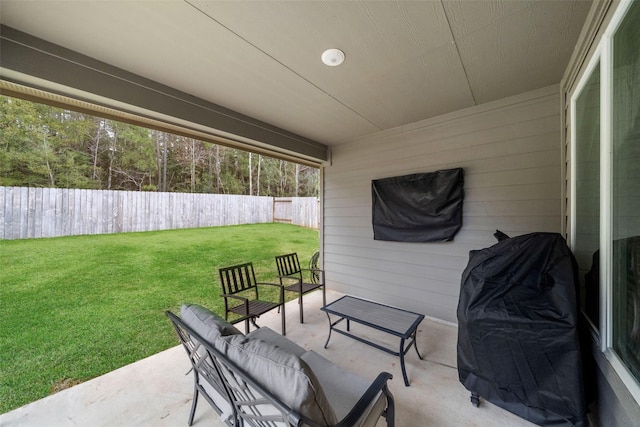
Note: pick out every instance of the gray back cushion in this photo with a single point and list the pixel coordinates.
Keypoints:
(282, 373)
(272, 337)
(206, 323)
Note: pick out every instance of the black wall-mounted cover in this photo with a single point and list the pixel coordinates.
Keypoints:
(423, 207)
(518, 340)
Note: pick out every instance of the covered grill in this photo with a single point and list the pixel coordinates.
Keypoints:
(518, 344)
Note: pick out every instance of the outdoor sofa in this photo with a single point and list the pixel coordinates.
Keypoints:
(263, 378)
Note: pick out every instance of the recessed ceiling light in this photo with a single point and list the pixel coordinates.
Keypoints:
(333, 57)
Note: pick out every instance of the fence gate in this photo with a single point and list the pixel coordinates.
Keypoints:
(304, 211)
(282, 210)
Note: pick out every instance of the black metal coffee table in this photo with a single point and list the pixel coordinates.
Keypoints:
(392, 320)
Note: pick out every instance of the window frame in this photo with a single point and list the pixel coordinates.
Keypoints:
(582, 84)
(603, 55)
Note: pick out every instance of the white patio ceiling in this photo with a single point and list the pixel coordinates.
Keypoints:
(405, 61)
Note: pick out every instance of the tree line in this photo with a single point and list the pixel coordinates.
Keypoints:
(45, 146)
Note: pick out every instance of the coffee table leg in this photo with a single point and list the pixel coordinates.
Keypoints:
(330, 329)
(415, 344)
(404, 370)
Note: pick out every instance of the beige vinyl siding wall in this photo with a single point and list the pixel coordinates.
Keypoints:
(510, 152)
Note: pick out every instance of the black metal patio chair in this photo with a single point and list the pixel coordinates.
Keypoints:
(241, 295)
(314, 263)
(301, 280)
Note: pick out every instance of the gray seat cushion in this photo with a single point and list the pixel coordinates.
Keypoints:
(343, 389)
(206, 323)
(280, 372)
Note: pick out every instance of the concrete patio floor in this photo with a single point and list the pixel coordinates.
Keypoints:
(157, 391)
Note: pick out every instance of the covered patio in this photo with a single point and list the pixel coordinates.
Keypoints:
(497, 88)
(158, 390)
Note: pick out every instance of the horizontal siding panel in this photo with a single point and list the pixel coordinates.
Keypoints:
(539, 191)
(513, 162)
(418, 293)
(347, 222)
(337, 245)
(538, 223)
(383, 271)
(402, 282)
(354, 211)
(532, 134)
(360, 231)
(464, 241)
(532, 175)
(550, 207)
(399, 257)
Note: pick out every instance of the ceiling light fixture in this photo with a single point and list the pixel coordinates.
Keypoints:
(333, 57)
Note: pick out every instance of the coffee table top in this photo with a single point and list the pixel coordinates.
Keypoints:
(393, 320)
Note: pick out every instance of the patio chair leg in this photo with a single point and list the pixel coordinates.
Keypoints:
(253, 320)
(194, 403)
(284, 327)
(300, 304)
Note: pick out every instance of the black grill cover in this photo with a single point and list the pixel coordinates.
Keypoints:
(518, 344)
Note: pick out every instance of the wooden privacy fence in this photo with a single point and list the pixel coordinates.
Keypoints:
(50, 212)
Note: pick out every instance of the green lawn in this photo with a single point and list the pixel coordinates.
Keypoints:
(73, 308)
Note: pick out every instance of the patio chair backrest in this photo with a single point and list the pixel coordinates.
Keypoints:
(204, 367)
(238, 278)
(288, 265)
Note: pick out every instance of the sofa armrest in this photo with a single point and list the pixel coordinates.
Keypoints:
(361, 413)
(355, 400)
(367, 410)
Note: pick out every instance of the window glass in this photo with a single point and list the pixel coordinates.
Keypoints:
(587, 176)
(626, 191)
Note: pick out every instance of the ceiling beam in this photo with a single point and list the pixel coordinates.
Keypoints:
(80, 77)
